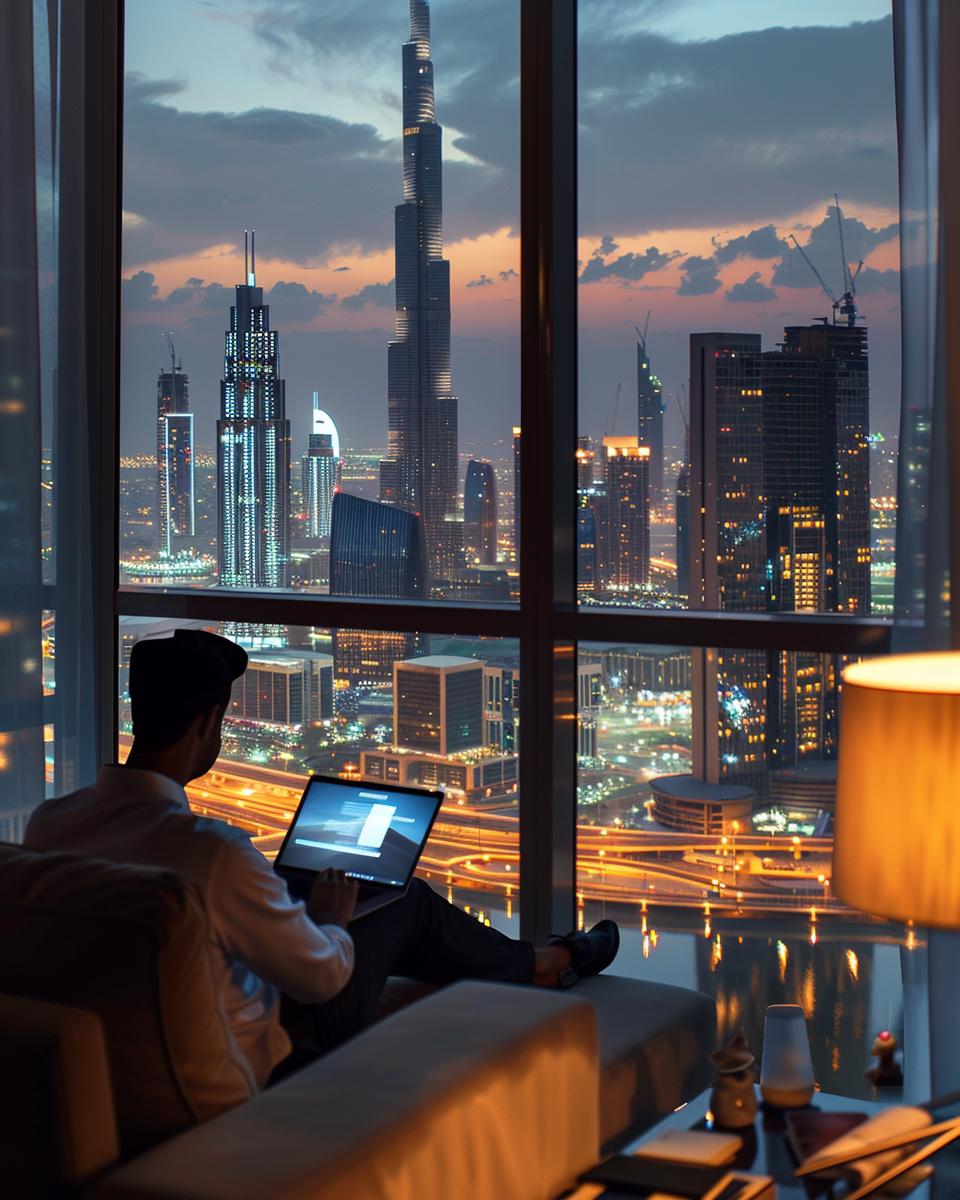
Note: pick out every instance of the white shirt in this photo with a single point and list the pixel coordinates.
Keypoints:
(261, 941)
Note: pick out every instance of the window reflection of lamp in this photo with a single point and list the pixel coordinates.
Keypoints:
(897, 829)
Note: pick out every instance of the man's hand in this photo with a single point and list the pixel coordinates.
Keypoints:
(333, 898)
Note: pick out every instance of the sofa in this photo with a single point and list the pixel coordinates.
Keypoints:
(122, 1078)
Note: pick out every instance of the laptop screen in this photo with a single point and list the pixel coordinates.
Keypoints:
(371, 832)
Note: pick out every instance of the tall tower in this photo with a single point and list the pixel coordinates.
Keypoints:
(420, 473)
(650, 417)
(516, 495)
(480, 513)
(624, 527)
(253, 448)
(176, 515)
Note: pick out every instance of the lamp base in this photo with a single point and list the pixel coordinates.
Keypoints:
(786, 1097)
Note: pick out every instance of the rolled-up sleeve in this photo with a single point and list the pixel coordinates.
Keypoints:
(262, 927)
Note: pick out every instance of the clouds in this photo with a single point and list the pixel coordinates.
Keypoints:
(759, 243)
(630, 267)
(483, 281)
(699, 277)
(382, 295)
(751, 290)
(291, 303)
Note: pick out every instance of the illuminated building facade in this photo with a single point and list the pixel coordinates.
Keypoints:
(682, 513)
(516, 493)
(589, 497)
(624, 526)
(320, 476)
(501, 708)
(282, 690)
(176, 510)
(438, 704)
(421, 470)
(650, 419)
(472, 775)
(253, 450)
(490, 585)
(681, 802)
(589, 687)
(480, 513)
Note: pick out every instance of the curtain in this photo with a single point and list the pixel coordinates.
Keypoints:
(21, 688)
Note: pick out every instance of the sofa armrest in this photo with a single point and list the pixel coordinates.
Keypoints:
(480, 1091)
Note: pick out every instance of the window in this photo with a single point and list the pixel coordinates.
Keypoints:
(714, 641)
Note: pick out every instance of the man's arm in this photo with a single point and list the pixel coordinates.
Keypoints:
(333, 898)
(272, 935)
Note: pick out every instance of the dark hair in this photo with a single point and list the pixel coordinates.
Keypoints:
(174, 680)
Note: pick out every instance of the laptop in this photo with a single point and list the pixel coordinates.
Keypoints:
(371, 832)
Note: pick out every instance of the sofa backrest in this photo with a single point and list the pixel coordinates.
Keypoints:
(128, 943)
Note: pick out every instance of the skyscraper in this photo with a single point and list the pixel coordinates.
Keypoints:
(420, 472)
(623, 533)
(253, 449)
(726, 564)
(438, 704)
(650, 417)
(375, 550)
(480, 513)
(320, 476)
(176, 510)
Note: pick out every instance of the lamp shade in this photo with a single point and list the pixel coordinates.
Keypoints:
(896, 850)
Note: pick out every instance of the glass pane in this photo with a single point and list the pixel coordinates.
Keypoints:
(753, 468)
(320, 334)
(367, 706)
(707, 784)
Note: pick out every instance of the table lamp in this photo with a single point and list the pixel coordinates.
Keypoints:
(896, 849)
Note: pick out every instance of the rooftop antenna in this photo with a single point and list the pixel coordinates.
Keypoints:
(643, 336)
(613, 415)
(246, 256)
(252, 277)
(173, 355)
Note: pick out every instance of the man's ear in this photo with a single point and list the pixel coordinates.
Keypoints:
(210, 721)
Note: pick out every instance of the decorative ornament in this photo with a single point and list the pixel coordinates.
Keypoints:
(733, 1101)
(886, 1073)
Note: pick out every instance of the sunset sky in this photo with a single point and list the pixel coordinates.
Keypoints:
(711, 130)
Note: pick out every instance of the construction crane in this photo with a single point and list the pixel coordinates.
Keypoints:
(173, 353)
(846, 306)
(613, 416)
(643, 336)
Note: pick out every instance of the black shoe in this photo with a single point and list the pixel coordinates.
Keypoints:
(591, 951)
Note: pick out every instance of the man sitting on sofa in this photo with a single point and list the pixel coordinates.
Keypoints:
(293, 981)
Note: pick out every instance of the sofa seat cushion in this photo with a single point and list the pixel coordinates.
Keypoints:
(655, 1040)
(129, 944)
(480, 1092)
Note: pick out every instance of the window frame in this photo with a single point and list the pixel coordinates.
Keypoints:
(547, 620)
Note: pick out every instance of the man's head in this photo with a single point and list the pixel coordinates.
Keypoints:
(180, 686)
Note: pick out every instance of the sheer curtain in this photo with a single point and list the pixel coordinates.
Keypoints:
(926, 43)
(59, 240)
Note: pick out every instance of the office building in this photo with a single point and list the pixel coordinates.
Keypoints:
(650, 418)
(623, 559)
(421, 472)
(324, 423)
(480, 513)
(469, 776)
(490, 585)
(501, 708)
(320, 478)
(438, 704)
(376, 550)
(589, 690)
(682, 514)
(253, 449)
(284, 690)
(816, 404)
(176, 505)
(589, 496)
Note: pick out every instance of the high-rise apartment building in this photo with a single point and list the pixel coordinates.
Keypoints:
(284, 690)
(682, 516)
(420, 473)
(176, 505)
(623, 533)
(589, 498)
(253, 449)
(480, 513)
(650, 418)
(438, 704)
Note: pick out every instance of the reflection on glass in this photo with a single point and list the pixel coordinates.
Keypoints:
(331, 367)
(419, 710)
(771, 448)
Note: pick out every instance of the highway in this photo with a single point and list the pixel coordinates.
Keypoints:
(479, 850)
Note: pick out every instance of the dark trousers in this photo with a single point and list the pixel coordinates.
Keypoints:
(421, 936)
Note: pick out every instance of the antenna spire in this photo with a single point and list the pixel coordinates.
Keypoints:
(246, 255)
(252, 278)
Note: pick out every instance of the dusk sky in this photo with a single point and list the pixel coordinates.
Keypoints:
(710, 131)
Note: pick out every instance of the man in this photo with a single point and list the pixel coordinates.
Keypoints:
(294, 982)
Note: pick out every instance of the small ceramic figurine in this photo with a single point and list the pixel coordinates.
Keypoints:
(733, 1101)
(886, 1073)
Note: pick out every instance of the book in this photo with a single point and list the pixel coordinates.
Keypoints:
(810, 1131)
(631, 1175)
(694, 1146)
